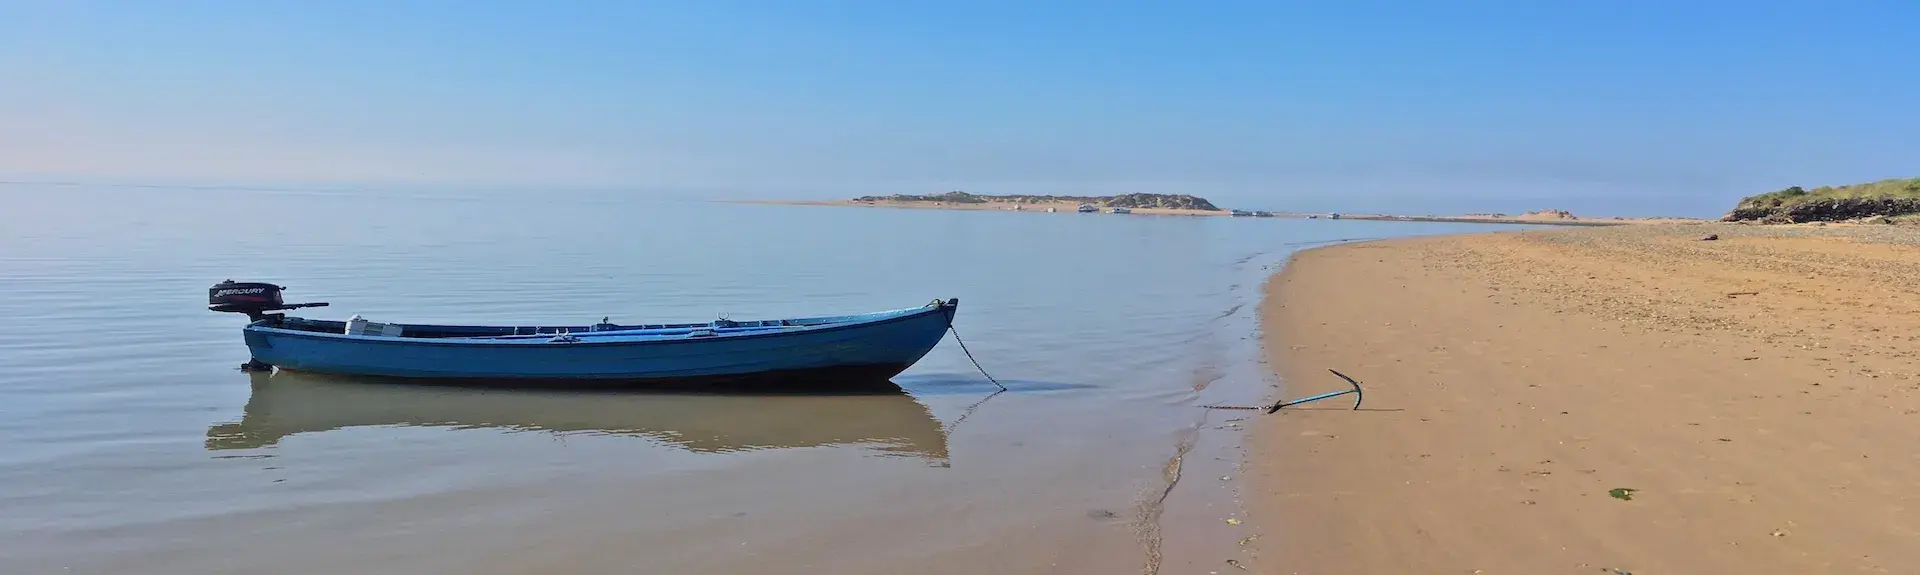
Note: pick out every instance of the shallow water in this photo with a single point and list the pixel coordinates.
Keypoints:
(133, 445)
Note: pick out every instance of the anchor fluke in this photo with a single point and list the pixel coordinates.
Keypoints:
(1358, 395)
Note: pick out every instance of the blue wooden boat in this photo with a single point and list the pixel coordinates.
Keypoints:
(864, 347)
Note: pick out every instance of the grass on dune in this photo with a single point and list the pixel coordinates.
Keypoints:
(1891, 188)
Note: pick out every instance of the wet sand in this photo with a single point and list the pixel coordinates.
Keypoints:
(1580, 401)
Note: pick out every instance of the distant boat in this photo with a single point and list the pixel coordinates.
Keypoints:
(1087, 209)
(872, 346)
(1335, 216)
(1239, 213)
(1050, 210)
(1263, 214)
(1120, 211)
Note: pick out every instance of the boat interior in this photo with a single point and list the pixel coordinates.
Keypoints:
(720, 326)
(258, 299)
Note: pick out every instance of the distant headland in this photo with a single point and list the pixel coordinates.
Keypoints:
(1129, 201)
(1892, 201)
(1174, 205)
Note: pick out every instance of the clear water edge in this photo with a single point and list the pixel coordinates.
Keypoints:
(119, 403)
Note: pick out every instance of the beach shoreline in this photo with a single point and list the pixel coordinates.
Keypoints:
(1068, 208)
(1630, 398)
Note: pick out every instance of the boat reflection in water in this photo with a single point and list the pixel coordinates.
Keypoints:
(884, 418)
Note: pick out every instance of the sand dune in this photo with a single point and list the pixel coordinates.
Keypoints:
(1626, 398)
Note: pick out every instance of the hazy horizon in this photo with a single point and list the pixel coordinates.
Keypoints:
(1591, 206)
(1626, 108)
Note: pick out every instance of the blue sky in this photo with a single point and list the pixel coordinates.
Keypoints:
(1616, 107)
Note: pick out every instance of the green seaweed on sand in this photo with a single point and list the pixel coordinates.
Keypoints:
(1621, 493)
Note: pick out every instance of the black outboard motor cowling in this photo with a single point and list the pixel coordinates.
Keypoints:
(236, 296)
(251, 298)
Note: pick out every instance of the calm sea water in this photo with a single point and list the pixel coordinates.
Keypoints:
(133, 445)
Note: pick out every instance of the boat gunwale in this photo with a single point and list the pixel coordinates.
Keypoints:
(945, 307)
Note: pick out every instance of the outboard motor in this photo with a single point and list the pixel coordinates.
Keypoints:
(251, 298)
(255, 300)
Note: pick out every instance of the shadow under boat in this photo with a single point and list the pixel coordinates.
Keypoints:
(882, 417)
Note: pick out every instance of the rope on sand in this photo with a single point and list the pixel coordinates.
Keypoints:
(1358, 396)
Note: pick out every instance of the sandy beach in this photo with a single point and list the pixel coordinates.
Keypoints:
(1621, 400)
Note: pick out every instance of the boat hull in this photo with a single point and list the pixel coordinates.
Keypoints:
(871, 349)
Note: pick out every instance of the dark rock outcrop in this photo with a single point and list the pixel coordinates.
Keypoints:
(1882, 199)
(1824, 210)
